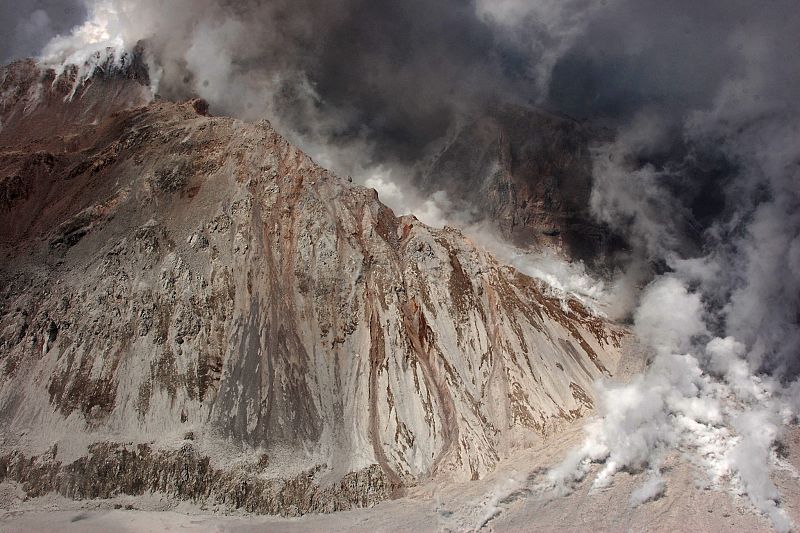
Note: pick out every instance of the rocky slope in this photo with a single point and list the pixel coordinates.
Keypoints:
(505, 500)
(530, 172)
(190, 305)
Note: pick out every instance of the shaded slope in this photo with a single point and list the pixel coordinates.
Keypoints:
(530, 172)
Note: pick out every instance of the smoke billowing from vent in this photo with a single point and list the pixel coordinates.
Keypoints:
(704, 179)
(703, 176)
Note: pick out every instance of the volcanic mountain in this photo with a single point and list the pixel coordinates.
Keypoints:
(189, 305)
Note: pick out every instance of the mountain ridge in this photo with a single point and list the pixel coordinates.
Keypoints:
(176, 281)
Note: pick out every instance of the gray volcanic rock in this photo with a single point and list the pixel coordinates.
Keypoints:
(171, 279)
(530, 172)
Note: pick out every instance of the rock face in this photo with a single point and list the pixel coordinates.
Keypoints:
(530, 171)
(172, 281)
(112, 469)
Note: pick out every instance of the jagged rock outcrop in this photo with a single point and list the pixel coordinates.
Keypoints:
(111, 469)
(530, 172)
(167, 273)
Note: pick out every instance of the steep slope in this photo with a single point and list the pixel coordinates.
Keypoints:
(529, 171)
(49, 122)
(190, 305)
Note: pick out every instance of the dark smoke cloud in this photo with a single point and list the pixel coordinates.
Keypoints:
(26, 26)
(704, 97)
(399, 72)
(396, 75)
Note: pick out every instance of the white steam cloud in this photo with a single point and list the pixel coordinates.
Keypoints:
(723, 320)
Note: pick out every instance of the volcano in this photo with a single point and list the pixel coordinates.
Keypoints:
(192, 306)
